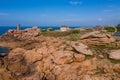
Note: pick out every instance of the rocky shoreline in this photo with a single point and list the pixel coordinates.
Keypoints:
(34, 56)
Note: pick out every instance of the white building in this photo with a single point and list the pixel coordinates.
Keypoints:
(64, 28)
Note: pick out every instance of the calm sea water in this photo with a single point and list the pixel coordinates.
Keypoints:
(3, 50)
(4, 29)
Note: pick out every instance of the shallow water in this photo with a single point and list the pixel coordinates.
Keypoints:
(4, 50)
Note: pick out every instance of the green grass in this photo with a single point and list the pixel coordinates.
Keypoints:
(101, 50)
(54, 33)
(74, 31)
(61, 34)
(74, 37)
(110, 29)
(114, 61)
(107, 46)
(87, 57)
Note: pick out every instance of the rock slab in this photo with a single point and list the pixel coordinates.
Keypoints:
(97, 38)
(81, 48)
(114, 54)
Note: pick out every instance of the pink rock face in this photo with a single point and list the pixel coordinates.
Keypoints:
(34, 76)
(85, 77)
(95, 34)
(79, 57)
(81, 48)
(114, 54)
(118, 43)
(16, 55)
(96, 38)
(32, 56)
(63, 57)
(38, 64)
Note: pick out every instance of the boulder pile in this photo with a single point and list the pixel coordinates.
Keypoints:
(97, 38)
(27, 34)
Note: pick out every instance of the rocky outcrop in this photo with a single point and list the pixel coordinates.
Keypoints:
(18, 35)
(114, 54)
(97, 38)
(49, 58)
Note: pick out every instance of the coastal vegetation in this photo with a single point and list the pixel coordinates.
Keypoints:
(118, 27)
(53, 33)
(110, 29)
(106, 46)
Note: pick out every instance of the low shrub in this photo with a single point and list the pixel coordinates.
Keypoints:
(74, 37)
(107, 46)
(55, 33)
(110, 29)
(50, 29)
(75, 31)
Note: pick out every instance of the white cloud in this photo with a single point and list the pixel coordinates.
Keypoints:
(75, 2)
(3, 14)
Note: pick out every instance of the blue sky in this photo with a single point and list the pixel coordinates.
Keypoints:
(59, 12)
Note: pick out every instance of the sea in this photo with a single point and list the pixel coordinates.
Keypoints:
(4, 50)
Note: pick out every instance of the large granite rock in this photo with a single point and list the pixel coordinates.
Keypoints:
(81, 48)
(114, 54)
(63, 57)
(97, 38)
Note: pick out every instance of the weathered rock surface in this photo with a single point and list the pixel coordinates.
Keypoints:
(81, 48)
(97, 38)
(114, 54)
(39, 64)
(63, 57)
